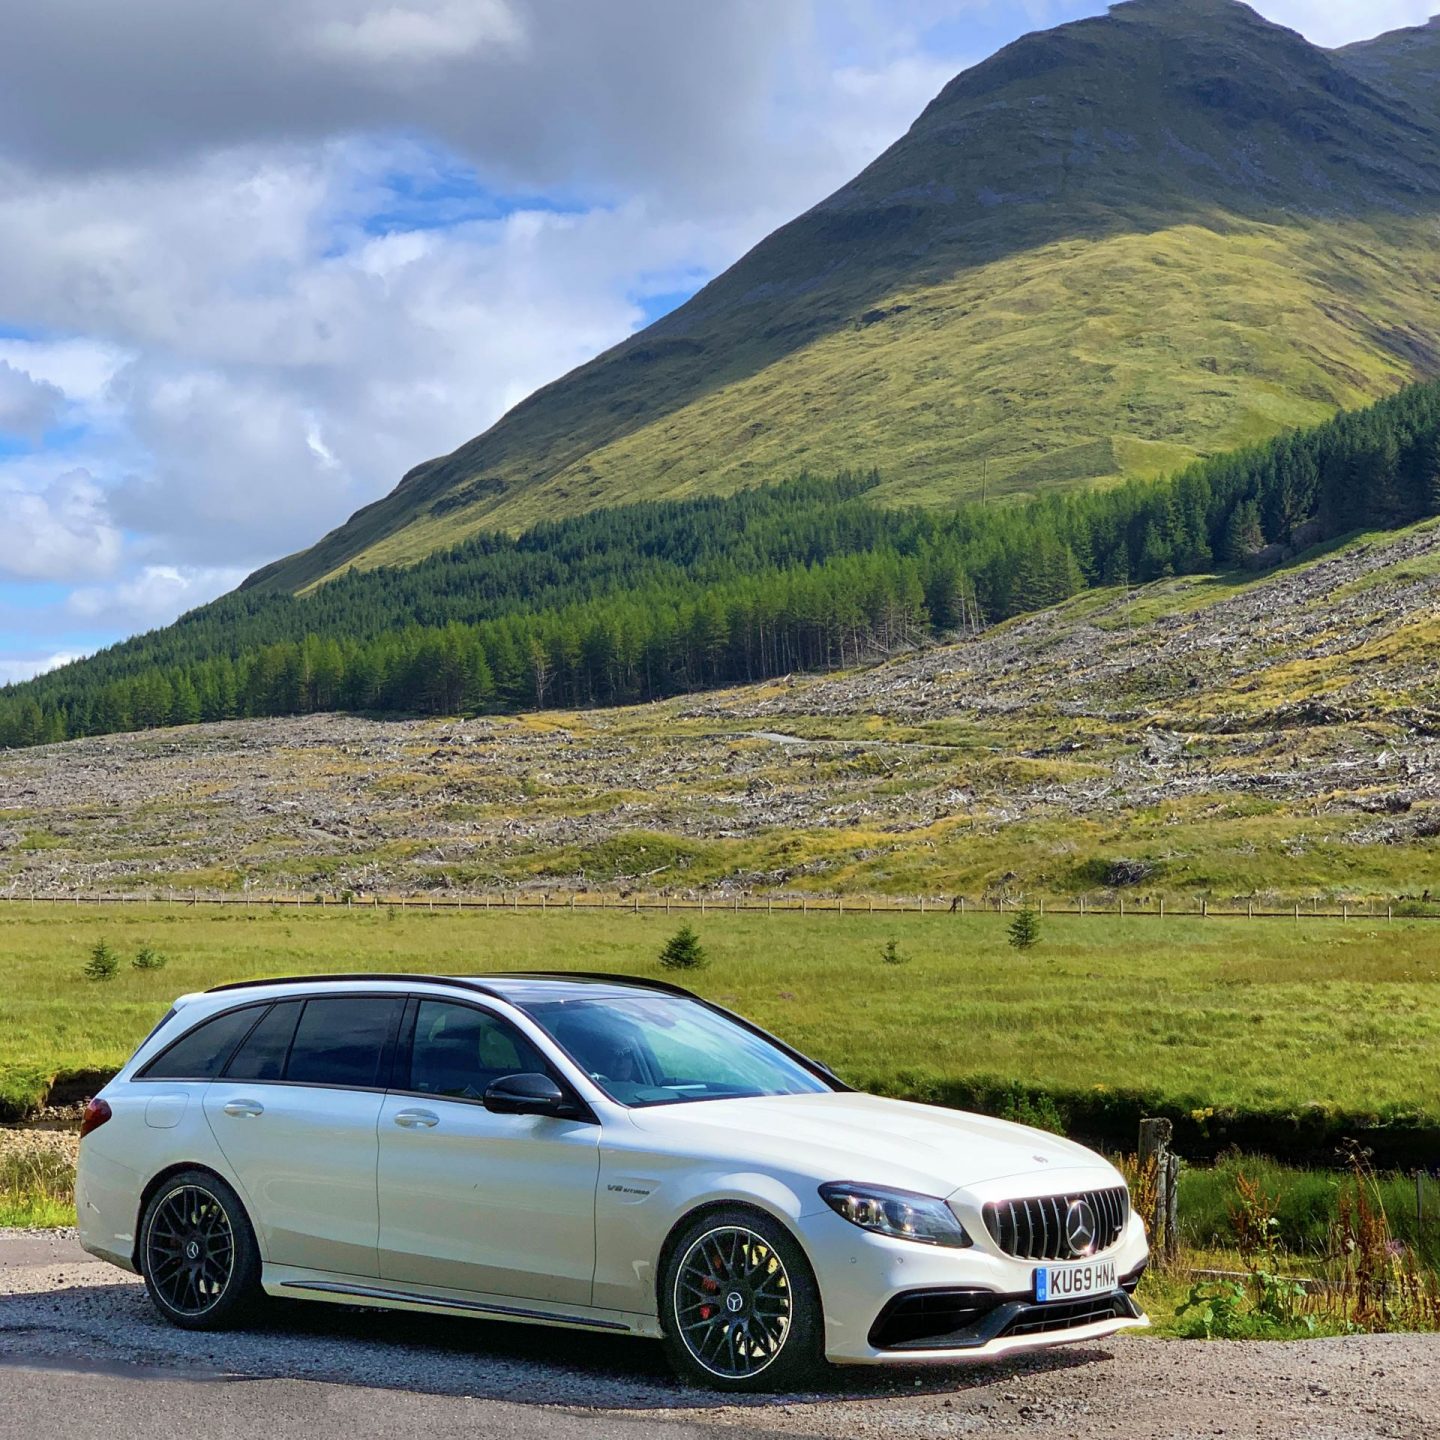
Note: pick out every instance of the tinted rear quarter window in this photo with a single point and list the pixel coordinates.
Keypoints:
(341, 1040)
(262, 1056)
(200, 1054)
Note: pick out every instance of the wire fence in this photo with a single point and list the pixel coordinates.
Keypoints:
(636, 903)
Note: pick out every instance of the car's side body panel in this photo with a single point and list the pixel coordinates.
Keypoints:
(304, 1160)
(498, 1204)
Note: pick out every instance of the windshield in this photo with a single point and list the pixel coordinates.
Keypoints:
(663, 1050)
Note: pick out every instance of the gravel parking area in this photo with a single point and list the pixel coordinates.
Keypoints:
(60, 1309)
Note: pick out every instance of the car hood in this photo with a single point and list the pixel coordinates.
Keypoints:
(866, 1138)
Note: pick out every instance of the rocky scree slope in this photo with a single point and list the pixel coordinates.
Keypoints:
(1277, 736)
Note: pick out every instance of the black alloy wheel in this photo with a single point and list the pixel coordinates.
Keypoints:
(740, 1307)
(198, 1253)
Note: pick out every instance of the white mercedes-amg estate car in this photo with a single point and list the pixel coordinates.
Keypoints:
(589, 1151)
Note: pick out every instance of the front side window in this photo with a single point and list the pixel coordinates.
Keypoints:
(341, 1040)
(663, 1050)
(459, 1051)
(200, 1054)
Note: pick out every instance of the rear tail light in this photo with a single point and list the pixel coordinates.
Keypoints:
(97, 1112)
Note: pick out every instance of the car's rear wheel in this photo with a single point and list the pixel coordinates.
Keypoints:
(739, 1304)
(198, 1253)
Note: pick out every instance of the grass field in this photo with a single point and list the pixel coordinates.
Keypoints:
(1317, 1029)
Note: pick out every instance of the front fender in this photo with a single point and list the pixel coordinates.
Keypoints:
(639, 1206)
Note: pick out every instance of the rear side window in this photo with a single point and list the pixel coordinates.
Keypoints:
(202, 1053)
(342, 1040)
(262, 1056)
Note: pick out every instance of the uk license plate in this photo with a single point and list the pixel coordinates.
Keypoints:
(1054, 1283)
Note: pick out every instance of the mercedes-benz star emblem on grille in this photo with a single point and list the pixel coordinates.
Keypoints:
(1080, 1228)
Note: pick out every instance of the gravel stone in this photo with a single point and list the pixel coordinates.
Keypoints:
(1142, 1388)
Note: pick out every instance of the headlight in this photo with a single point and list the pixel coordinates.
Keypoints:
(897, 1213)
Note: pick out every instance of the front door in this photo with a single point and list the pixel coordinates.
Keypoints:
(495, 1204)
(296, 1114)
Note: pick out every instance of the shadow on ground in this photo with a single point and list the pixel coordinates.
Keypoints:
(102, 1327)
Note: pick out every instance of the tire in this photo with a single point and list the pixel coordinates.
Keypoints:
(765, 1330)
(198, 1253)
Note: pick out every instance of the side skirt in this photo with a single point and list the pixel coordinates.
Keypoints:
(299, 1285)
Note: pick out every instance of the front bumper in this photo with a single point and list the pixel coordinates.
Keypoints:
(876, 1292)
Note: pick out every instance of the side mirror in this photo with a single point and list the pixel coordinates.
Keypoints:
(529, 1095)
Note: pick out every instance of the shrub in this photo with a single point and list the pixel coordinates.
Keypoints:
(102, 964)
(148, 958)
(683, 951)
(1025, 930)
(1038, 1111)
(891, 954)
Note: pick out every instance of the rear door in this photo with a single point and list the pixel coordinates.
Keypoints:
(296, 1113)
(497, 1204)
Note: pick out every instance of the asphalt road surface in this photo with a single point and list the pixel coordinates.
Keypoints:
(82, 1355)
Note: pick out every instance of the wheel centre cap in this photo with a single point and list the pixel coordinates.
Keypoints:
(734, 1302)
(192, 1250)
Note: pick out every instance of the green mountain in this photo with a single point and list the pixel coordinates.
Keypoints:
(1109, 248)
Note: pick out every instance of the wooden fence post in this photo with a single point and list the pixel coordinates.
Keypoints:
(1172, 1209)
(1155, 1159)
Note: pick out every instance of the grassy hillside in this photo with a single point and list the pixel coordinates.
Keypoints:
(1110, 247)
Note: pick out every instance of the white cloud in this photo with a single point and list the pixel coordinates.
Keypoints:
(81, 370)
(26, 667)
(58, 531)
(28, 407)
(418, 33)
(1339, 22)
(153, 597)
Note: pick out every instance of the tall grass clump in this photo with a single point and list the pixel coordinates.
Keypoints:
(37, 1180)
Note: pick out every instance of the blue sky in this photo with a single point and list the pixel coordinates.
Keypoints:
(256, 262)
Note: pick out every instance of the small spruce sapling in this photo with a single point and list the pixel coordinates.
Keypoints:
(148, 958)
(1025, 930)
(891, 955)
(102, 964)
(683, 951)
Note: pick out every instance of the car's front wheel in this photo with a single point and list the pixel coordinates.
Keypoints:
(739, 1304)
(198, 1253)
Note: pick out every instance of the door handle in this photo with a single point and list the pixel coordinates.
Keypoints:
(417, 1119)
(247, 1108)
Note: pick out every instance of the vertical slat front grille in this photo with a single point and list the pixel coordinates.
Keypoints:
(1038, 1228)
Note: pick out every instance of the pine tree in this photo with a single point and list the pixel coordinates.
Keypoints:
(102, 964)
(185, 704)
(683, 951)
(1025, 930)
(148, 958)
(1430, 477)
(1243, 536)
